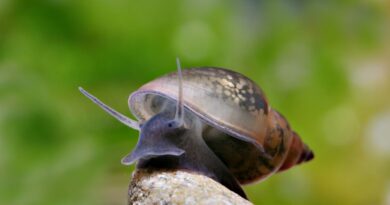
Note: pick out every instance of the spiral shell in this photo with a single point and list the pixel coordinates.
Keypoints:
(252, 139)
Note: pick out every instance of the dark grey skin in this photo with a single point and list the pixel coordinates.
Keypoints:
(165, 144)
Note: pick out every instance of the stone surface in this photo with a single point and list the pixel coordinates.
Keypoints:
(179, 187)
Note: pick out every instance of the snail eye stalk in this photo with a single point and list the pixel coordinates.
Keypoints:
(122, 118)
(179, 117)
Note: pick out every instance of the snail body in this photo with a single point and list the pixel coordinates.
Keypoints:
(215, 122)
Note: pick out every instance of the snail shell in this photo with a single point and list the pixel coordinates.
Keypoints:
(249, 137)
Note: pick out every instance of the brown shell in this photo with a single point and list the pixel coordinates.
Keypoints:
(223, 98)
(242, 125)
(250, 164)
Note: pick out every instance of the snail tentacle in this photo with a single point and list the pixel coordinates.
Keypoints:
(122, 118)
(179, 117)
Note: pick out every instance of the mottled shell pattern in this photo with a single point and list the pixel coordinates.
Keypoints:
(252, 139)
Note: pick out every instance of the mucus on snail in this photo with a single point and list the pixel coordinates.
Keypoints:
(211, 121)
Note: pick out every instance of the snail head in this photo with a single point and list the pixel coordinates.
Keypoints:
(158, 135)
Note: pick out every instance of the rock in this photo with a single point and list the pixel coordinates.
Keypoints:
(179, 187)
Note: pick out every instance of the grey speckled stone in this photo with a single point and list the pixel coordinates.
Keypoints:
(179, 187)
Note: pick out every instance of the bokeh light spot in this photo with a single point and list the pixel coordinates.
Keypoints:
(340, 125)
(369, 74)
(194, 41)
(387, 195)
(301, 186)
(292, 68)
(378, 134)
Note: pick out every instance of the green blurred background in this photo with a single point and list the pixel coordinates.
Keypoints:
(324, 64)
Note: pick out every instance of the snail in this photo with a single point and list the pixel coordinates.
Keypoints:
(211, 121)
